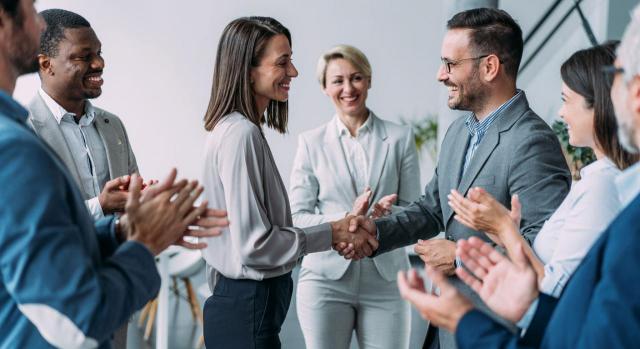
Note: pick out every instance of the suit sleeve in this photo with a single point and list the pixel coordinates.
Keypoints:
(133, 165)
(73, 298)
(539, 175)
(304, 191)
(477, 330)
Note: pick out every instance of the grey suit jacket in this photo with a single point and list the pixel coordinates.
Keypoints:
(114, 137)
(518, 154)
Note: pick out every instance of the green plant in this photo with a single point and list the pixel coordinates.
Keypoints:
(577, 158)
(425, 132)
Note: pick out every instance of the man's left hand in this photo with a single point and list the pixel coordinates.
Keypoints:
(439, 254)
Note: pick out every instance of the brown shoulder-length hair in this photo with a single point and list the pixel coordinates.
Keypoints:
(582, 73)
(240, 49)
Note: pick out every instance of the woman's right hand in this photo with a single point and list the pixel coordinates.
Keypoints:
(480, 211)
(361, 205)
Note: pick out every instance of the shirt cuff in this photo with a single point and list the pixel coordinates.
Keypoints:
(318, 238)
(524, 323)
(94, 207)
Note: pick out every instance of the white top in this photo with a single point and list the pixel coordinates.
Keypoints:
(87, 150)
(241, 177)
(355, 151)
(584, 214)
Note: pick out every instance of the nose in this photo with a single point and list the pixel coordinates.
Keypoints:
(348, 86)
(97, 63)
(442, 74)
(292, 71)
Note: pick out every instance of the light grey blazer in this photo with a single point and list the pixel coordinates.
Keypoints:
(114, 137)
(321, 189)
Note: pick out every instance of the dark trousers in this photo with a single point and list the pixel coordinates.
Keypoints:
(247, 313)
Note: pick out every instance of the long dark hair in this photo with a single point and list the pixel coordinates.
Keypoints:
(240, 48)
(582, 73)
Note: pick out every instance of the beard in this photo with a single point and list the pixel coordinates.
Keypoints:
(627, 136)
(471, 93)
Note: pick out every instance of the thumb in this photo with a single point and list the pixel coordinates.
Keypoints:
(516, 207)
(438, 279)
(134, 191)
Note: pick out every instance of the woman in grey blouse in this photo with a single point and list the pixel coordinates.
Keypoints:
(353, 160)
(592, 202)
(250, 268)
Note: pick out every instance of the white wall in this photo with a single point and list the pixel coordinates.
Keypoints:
(159, 63)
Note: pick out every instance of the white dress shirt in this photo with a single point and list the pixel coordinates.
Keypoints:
(355, 151)
(584, 214)
(87, 149)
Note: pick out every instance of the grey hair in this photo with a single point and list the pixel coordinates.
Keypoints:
(629, 49)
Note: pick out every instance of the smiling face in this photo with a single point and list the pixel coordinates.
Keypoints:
(579, 118)
(466, 91)
(347, 87)
(271, 79)
(75, 73)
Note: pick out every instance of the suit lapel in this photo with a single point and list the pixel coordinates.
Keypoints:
(112, 143)
(45, 125)
(337, 160)
(378, 153)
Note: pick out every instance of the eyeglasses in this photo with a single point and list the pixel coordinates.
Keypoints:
(448, 63)
(610, 71)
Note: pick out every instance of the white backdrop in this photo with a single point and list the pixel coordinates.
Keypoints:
(159, 62)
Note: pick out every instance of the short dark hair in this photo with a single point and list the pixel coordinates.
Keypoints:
(241, 47)
(57, 21)
(582, 73)
(493, 32)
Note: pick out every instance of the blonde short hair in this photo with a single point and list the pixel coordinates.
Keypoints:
(346, 52)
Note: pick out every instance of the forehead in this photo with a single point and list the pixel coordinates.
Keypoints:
(455, 43)
(80, 38)
(339, 66)
(277, 46)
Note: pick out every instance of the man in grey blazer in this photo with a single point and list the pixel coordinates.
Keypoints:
(91, 142)
(501, 146)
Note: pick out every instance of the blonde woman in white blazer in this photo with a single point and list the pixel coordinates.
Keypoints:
(356, 163)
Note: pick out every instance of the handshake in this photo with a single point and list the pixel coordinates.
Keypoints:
(354, 237)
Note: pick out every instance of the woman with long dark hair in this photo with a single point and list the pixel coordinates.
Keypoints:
(592, 202)
(249, 269)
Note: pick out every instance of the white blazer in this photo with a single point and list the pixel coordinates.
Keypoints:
(322, 190)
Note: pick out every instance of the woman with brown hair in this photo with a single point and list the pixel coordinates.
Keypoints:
(592, 202)
(249, 270)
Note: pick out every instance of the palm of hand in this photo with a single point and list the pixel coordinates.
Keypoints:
(509, 290)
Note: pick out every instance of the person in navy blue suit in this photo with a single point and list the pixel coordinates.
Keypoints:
(600, 306)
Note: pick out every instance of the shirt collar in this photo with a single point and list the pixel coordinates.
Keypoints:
(598, 165)
(59, 113)
(628, 184)
(343, 130)
(11, 108)
(480, 127)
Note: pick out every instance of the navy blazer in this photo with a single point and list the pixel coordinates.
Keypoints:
(599, 308)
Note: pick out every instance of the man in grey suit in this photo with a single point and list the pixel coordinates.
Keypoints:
(501, 146)
(91, 142)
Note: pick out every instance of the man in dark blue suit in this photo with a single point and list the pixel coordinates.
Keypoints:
(600, 306)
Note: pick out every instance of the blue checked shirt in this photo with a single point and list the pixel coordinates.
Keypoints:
(477, 128)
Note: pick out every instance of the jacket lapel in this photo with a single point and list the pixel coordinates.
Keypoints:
(46, 127)
(112, 143)
(378, 154)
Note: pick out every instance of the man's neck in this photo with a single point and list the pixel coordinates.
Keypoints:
(72, 106)
(493, 102)
(8, 76)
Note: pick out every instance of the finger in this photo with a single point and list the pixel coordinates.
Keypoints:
(212, 212)
(365, 250)
(464, 221)
(187, 206)
(438, 279)
(184, 193)
(469, 279)
(481, 259)
(203, 233)
(210, 222)
(191, 245)
(166, 183)
(354, 222)
(490, 253)
(193, 215)
(350, 255)
(134, 192)
(390, 199)
(470, 263)
(516, 208)
(115, 183)
(415, 281)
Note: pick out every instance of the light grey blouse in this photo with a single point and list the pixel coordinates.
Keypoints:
(241, 177)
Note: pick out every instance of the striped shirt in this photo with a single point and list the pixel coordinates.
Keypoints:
(477, 129)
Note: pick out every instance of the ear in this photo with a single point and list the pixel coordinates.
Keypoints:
(634, 96)
(324, 90)
(491, 68)
(44, 62)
